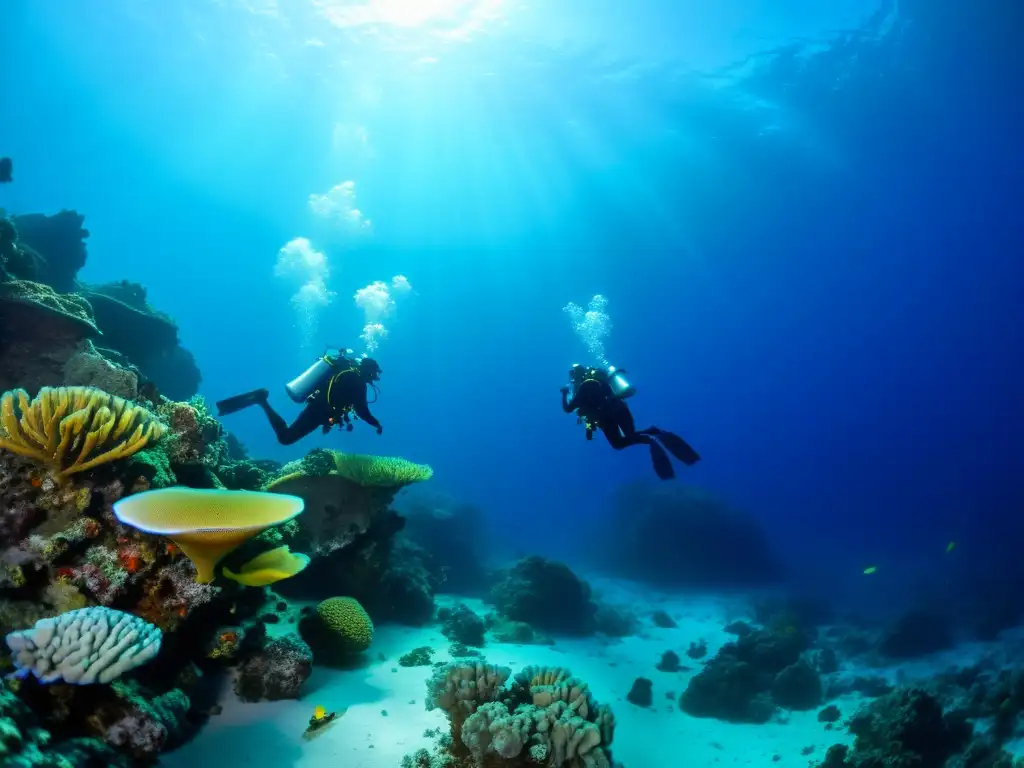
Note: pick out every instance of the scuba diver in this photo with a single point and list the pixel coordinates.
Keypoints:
(333, 388)
(599, 398)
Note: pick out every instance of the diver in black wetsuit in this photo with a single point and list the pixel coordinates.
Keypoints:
(333, 388)
(598, 397)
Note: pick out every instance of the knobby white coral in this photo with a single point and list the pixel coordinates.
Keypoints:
(87, 645)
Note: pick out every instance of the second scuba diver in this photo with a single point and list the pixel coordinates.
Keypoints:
(599, 395)
(333, 388)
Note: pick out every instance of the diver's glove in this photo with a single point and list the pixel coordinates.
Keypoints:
(564, 390)
(380, 429)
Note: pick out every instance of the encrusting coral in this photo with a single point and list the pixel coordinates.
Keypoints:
(545, 717)
(87, 645)
(74, 429)
(382, 471)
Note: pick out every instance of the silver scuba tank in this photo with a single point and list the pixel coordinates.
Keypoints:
(619, 384)
(306, 383)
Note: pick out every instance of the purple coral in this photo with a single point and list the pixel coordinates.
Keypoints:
(148, 726)
(276, 672)
(177, 581)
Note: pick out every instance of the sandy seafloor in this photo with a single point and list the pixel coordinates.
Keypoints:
(385, 717)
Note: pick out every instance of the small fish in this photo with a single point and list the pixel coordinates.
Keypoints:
(319, 721)
(950, 547)
(6, 169)
(870, 569)
(269, 567)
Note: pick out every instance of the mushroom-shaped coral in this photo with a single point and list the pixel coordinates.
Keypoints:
(73, 429)
(206, 524)
(87, 645)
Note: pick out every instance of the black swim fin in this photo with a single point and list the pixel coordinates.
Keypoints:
(661, 462)
(678, 447)
(238, 402)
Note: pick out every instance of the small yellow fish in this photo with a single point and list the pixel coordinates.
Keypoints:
(269, 567)
(950, 547)
(870, 569)
(319, 722)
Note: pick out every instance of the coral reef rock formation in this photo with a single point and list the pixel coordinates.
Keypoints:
(676, 536)
(275, 672)
(545, 594)
(59, 241)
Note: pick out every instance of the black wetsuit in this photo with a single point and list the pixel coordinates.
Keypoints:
(347, 390)
(600, 409)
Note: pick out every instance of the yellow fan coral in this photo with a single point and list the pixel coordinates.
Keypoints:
(386, 471)
(74, 429)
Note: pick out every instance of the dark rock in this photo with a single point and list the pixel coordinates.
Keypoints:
(418, 657)
(276, 672)
(453, 534)
(614, 621)
(735, 684)
(460, 651)
(669, 662)
(676, 536)
(464, 626)
(916, 634)
(872, 687)
(910, 721)
(642, 692)
(60, 241)
(826, 661)
(545, 594)
(663, 620)
(829, 714)
(697, 650)
(798, 686)
(507, 631)
(738, 628)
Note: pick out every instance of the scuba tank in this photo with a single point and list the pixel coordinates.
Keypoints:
(310, 380)
(619, 384)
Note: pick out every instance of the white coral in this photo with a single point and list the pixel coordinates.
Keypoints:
(87, 645)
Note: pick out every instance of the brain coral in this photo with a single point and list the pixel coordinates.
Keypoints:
(347, 622)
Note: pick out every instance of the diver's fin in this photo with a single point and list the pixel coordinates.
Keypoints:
(238, 402)
(662, 464)
(678, 447)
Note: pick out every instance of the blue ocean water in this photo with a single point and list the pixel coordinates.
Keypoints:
(804, 217)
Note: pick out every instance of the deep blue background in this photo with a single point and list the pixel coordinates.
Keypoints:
(810, 238)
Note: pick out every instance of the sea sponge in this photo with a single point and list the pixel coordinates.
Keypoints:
(206, 524)
(347, 621)
(74, 429)
(387, 471)
(84, 646)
